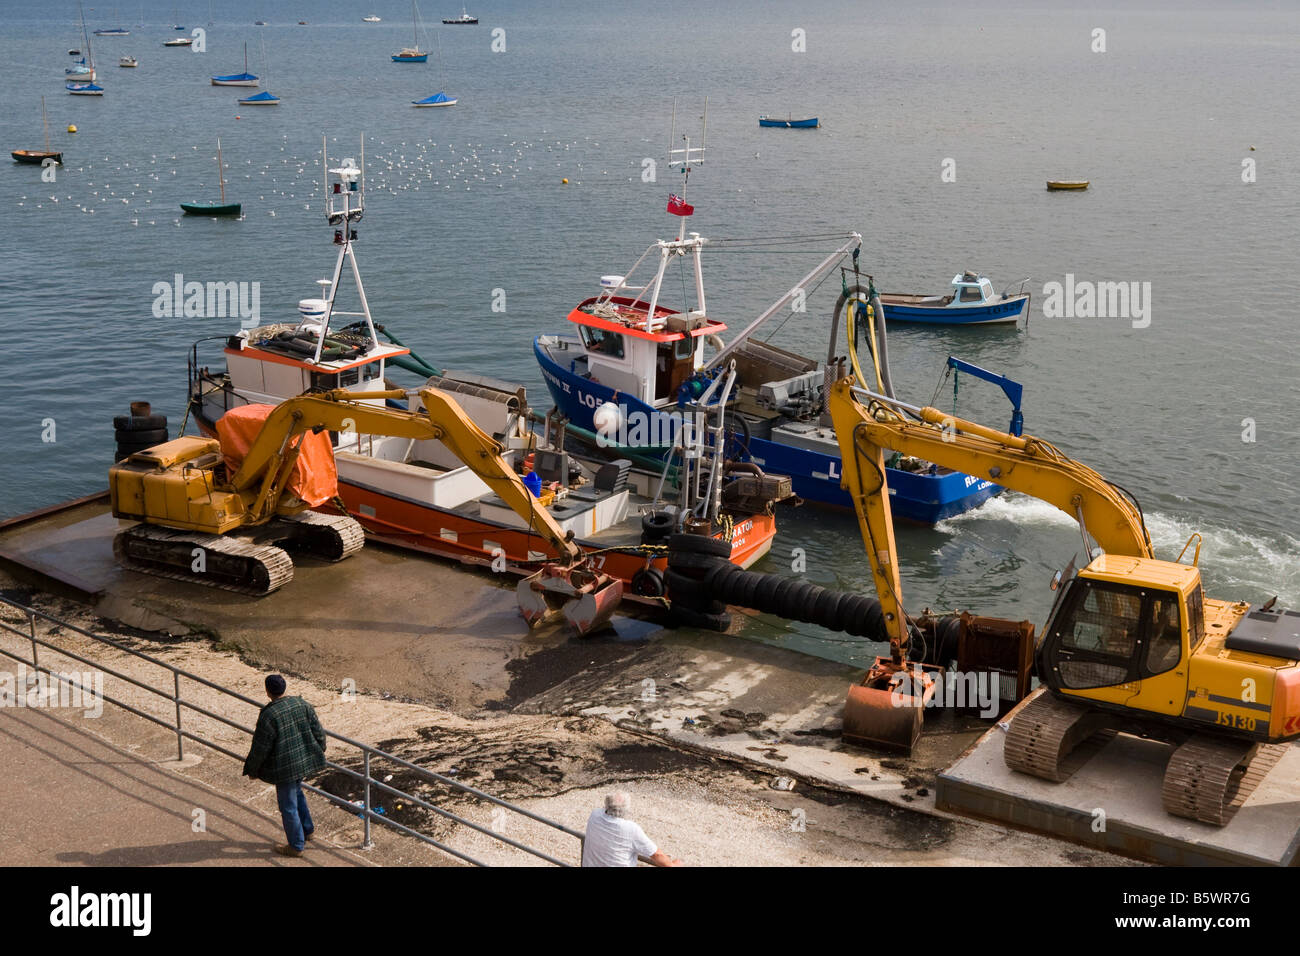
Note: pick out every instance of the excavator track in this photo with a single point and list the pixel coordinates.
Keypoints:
(1209, 778)
(228, 561)
(1051, 739)
(330, 537)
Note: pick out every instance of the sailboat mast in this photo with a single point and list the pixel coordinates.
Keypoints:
(46, 120)
(221, 179)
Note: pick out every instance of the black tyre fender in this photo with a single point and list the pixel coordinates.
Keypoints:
(688, 561)
(139, 423)
(648, 582)
(657, 525)
(143, 436)
(682, 617)
(699, 544)
(691, 594)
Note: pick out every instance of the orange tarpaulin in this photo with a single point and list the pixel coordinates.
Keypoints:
(315, 479)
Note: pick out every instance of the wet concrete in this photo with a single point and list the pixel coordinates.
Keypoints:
(541, 713)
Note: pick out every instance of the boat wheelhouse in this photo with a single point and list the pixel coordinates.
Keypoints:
(972, 302)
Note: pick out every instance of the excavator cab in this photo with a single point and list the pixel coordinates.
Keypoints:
(1112, 631)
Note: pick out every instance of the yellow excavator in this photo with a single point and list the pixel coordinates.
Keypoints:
(1131, 645)
(236, 531)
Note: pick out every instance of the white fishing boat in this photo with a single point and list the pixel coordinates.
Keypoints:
(128, 61)
(370, 19)
(417, 494)
(178, 41)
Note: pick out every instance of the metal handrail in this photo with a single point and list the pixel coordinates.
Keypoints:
(367, 810)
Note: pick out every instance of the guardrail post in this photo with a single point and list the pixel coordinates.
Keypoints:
(176, 696)
(365, 842)
(31, 626)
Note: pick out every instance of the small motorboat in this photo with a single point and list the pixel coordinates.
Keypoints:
(972, 302)
(370, 19)
(74, 53)
(437, 99)
(1056, 185)
(810, 123)
(85, 89)
(128, 61)
(463, 20)
(178, 41)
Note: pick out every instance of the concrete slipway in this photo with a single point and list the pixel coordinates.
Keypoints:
(426, 631)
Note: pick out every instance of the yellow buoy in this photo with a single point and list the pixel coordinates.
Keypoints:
(564, 182)
(72, 129)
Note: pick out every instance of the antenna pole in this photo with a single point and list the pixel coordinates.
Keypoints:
(221, 179)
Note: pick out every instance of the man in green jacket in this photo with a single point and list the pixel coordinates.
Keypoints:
(288, 745)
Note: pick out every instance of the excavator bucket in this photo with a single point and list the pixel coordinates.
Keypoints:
(885, 711)
(584, 598)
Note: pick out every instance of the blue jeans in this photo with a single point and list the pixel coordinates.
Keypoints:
(293, 811)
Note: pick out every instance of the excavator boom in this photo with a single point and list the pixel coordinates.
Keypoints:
(1019, 462)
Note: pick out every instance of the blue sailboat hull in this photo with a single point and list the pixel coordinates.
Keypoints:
(815, 476)
(422, 58)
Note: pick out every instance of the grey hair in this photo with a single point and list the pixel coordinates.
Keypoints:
(617, 803)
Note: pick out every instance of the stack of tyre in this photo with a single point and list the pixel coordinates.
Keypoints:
(692, 560)
(139, 430)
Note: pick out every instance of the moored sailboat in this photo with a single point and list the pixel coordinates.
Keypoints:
(39, 156)
(237, 79)
(221, 208)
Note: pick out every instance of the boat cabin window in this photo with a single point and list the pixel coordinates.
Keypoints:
(971, 294)
(602, 341)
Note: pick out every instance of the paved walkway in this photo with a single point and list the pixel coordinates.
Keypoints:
(71, 798)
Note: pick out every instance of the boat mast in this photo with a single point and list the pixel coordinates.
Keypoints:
(221, 179)
(46, 120)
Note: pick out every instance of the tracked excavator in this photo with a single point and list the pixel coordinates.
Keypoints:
(1132, 644)
(200, 522)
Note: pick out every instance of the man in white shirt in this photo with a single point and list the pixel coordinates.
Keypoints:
(614, 840)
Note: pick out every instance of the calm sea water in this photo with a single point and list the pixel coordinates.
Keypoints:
(467, 200)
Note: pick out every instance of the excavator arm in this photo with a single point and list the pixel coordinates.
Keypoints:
(270, 460)
(885, 709)
(1019, 462)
